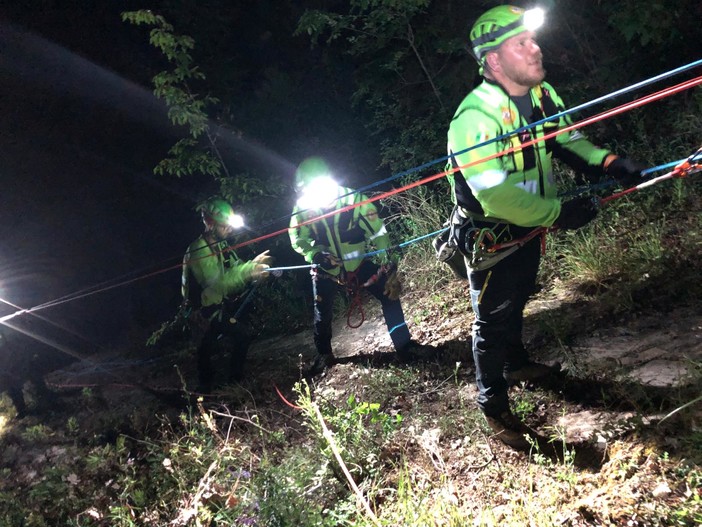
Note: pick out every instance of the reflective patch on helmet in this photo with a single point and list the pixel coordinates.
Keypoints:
(487, 179)
(353, 255)
(516, 10)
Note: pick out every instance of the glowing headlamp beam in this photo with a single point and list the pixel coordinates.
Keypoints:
(236, 221)
(320, 192)
(534, 18)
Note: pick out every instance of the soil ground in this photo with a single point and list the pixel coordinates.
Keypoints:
(614, 370)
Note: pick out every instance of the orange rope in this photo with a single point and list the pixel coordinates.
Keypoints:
(609, 113)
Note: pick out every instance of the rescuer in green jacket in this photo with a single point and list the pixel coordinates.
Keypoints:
(214, 284)
(17, 366)
(506, 197)
(336, 245)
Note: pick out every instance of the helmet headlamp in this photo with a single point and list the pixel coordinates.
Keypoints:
(318, 193)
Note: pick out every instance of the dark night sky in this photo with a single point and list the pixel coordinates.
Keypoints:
(81, 132)
(78, 142)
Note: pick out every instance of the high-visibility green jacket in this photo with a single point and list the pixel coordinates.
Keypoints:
(518, 187)
(347, 235)
(218, 273)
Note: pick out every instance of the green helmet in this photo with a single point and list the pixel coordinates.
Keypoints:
(497, 25)
(216, 210)
(310, 169)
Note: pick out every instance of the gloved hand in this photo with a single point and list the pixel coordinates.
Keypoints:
(393, 286)
(264, 258)
(576, 213)
(625, 171)
(326, 260)
(259, 272)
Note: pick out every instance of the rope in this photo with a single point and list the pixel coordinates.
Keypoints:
(291, 405)
(687, 167)
(612, 95)
(620, 109)
(353, 288)
(246, 301)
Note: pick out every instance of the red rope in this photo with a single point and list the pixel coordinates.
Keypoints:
(291, 405)
(684, 169)
(614, 111)
(609, 113)
(354, 289)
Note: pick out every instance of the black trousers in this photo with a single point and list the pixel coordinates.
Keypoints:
(498, 296)
(325, 288)
(224, 332)
(12, 382)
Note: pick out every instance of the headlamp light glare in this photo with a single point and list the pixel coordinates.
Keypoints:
(533, 18)
(235, 221)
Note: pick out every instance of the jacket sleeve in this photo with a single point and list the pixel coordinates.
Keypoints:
(237, 277)
(500, 193)
(301, 237)
(574, 148)
(216, 281)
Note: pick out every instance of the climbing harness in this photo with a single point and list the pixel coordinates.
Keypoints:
(349, 281)
(474, 237)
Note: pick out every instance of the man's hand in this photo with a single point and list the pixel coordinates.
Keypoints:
(264, 258)
(326, 260)
(625, 171)
(259, 272)
(393, 286)
(576, 213)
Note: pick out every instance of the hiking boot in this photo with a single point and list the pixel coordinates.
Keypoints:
(236, 374)
(511, 431)
(409, 352)
(322, 362)
(413, 351)
(532, 371)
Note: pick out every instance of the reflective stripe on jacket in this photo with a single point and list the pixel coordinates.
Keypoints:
(518, 187)
(347, 235)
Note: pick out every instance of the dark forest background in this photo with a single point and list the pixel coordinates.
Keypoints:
(369, 85)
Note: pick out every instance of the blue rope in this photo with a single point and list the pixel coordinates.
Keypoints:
(401, 245)
(583, 106)
(290, 268)
(575, 192)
